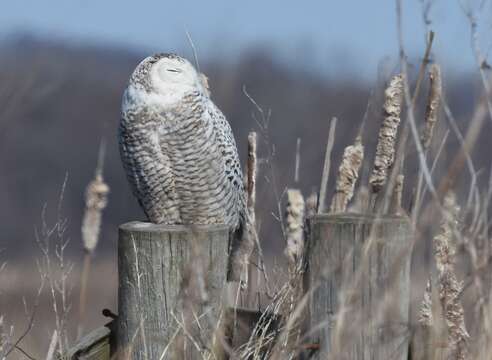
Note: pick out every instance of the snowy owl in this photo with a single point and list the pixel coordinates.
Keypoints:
(178, 149)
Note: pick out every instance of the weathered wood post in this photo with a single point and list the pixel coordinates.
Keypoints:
(359, 273)
(152, 261)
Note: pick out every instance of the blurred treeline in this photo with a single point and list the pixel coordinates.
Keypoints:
(57, 101)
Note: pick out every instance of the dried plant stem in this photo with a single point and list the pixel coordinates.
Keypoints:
(422, 342)
(295, 230)
(263, 123)
(449, 286)
(95, 202)
(425, 61)
(408, 102)
(432, 109)
(51, 350)
(396, 198)
(298, 160)
(295, 254)
(84, 279)
(348, 173)
(479, 57)
(251, 172)
(327, 165)
(402, 143)
(431, 117)
(462, 157)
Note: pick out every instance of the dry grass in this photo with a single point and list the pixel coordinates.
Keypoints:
(453, 298)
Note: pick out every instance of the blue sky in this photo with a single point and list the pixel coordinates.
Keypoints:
(335, 36)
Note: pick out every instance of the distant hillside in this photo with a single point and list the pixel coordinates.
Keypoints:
(58, 100)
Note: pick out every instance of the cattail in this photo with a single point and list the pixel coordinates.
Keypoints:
(423, 341)
(432, 109)
(385, 150)
(425, 313)
(449, 286)
(295, 229)
(293, 292)
(251, 175)
(348, 173)
(95, 201)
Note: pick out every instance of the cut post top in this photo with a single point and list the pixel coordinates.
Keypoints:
(356, 218)
(147, 227)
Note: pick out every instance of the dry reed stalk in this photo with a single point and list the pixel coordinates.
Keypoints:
(432, 109)
(385, 150)
(409, 125)
(396, 198)
(55, 270)
(425, 61)
(251, 175)
(481, 60)
(449, 286)
(348, 173)
(425, 313)
(311, 208)
(264, 340)
(327, 165)
(51, 349)
(96, 199)
(298, 160)
(424, 341)
(294, 220)
(5, 339)
(431, 118)
(463, 157)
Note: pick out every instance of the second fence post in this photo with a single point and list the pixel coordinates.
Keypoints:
(359, 276)
(154, 265)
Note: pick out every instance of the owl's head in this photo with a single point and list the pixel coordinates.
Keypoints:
(169, 77)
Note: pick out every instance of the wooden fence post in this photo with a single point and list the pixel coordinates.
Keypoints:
(152, 260)
(359, 273)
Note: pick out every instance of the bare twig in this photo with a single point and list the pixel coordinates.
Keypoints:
(30, 323)
(263, 123)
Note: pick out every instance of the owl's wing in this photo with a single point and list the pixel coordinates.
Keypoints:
(147, 168)
(228, 148)
(241, 236)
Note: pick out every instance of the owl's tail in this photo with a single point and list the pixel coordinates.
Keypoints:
(241, 246)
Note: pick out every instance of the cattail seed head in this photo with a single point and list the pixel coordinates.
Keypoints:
(385, 150)
(95, 201)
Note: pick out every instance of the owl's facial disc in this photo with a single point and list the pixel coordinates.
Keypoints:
(174, 76)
